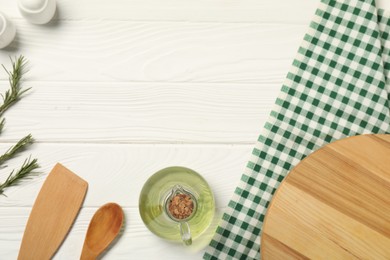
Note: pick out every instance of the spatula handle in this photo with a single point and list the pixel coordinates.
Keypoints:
(87, 254)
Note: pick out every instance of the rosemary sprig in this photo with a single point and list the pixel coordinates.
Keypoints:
(18, 147)
(2, 122)
(10, 97)
(25, 170)
(15, 92)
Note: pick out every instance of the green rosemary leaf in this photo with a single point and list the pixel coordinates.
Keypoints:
(26, 170)
(2, 123)
(12, 95)
(18, 147)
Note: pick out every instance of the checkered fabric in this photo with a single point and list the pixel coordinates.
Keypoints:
(337, 87)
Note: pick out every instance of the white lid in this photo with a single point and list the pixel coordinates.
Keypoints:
(32, 5)
(3, 23)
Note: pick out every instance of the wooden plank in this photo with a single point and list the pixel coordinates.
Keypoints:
(141, 112)
(118, 172)
(165, 52)
(134, 237)
(279, 11)
(298, 11)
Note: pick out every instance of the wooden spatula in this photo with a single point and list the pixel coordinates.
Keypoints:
(53, 213)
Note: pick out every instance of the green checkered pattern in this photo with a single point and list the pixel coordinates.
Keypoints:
(337, 87)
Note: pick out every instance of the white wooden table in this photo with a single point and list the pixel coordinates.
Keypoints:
(121, 89)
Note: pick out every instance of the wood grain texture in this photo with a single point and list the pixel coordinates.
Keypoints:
(54, 211)
(141, 112)
(133, 239)
(298, 11)
(121, 89)
(177, 10)
(254, 11)
(334, 204)
(106, 50)
(117, 172)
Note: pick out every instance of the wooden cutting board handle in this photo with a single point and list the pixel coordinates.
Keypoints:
(53, 213)
(335, 204)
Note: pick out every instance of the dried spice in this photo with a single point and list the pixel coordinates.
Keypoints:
(181, 206)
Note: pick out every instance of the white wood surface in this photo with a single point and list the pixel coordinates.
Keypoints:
(121, 89)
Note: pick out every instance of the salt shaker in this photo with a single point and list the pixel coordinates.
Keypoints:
(7, 31)
(37, 11)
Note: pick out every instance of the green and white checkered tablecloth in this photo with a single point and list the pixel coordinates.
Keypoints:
(338, 86)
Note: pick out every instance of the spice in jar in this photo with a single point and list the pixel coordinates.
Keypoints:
(181, 206)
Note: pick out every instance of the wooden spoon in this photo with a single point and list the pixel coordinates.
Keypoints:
(103, 228)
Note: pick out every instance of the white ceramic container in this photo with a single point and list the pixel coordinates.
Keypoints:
(7, 31)
(37, 11)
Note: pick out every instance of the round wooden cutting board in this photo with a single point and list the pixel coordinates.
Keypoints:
(335, 204)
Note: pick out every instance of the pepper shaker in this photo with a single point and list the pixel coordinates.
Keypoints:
(37, 11)
(7, 31)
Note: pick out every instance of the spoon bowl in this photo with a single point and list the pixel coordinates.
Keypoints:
(105, 225)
